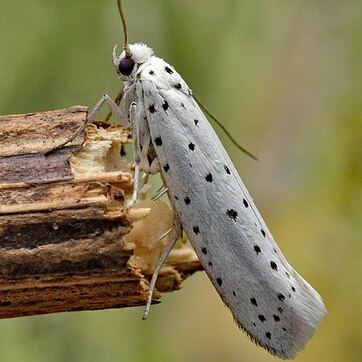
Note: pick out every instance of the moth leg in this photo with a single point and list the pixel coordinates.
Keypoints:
(160, 193)
(176, 234)
(165, 234)
(143, 191)
(117, 100)
(91, 117)
(136, 151)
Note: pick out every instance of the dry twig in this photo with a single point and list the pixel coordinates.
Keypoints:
(65, 239)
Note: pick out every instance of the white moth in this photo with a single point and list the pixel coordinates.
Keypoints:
(269, 300)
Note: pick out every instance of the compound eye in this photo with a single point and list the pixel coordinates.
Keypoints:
(126, 66)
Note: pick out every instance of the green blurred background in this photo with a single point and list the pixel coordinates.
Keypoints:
(284, 78)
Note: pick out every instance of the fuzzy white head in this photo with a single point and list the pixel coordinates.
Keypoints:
(130, 59)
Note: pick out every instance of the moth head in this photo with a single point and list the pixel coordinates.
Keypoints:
(127, 63)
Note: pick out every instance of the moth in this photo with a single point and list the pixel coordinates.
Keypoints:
(268, 299)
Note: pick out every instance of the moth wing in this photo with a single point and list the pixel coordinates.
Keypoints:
(276, 307)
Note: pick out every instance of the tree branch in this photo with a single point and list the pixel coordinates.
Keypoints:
(66, 241)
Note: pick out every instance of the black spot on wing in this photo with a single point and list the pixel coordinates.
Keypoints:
(257, 249)
(196, 121)
(274, 265)
(276, 318)
(208, 177)
(191, 146)
(262, 232)
(158, 141)
(204, 251)
(232, 214)
(254, 302)
(178, 86)
(227, 170)
(165, 105)
(261, 318)
(152, 108)
(187, 200)
(168, 70)
(281, 297)
(268, 335)
(219, 281)
(166, 167)
(246, 204)
(196, 230)
(151, 72)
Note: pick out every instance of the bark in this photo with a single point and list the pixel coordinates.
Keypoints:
(66, 241)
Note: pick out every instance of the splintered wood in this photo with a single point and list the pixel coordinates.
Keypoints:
(66, 241)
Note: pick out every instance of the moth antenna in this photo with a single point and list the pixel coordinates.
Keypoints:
(123, 20)
(242, 149)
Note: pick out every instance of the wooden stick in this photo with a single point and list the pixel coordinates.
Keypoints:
(66, 241)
